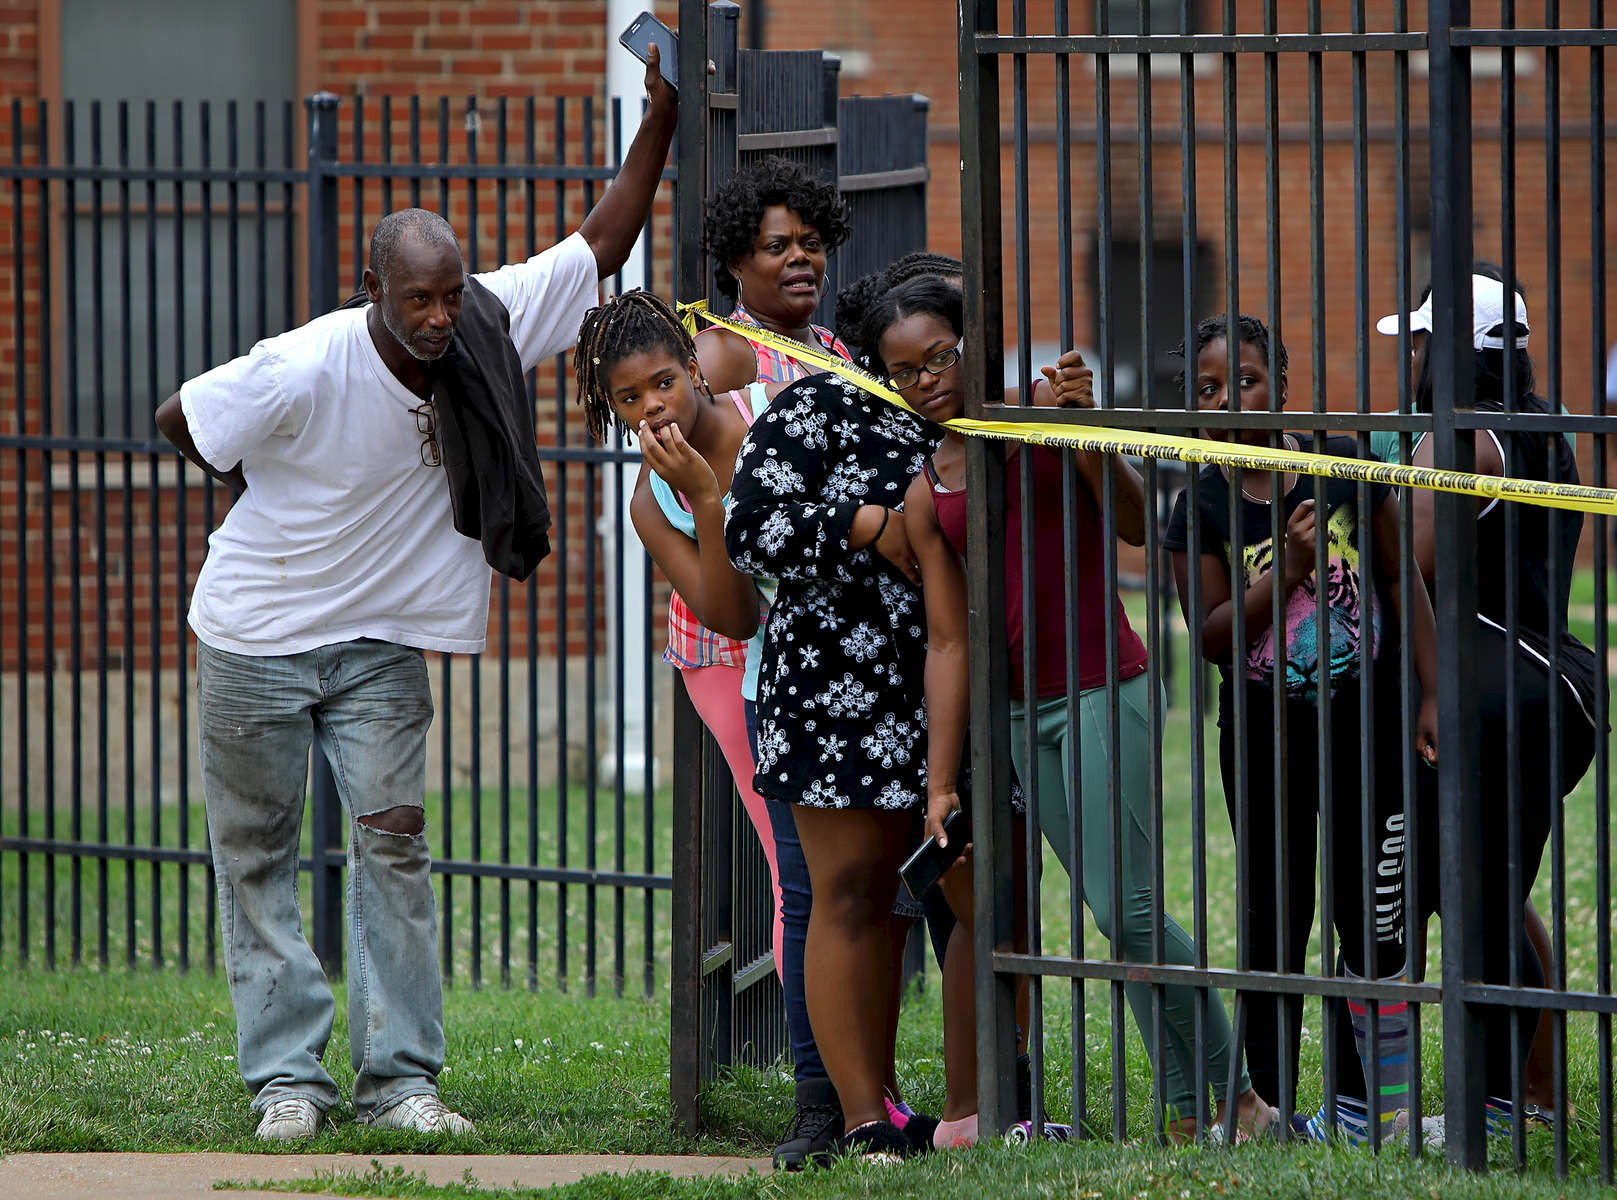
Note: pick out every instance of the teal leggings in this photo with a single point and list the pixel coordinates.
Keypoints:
(1177, 1081)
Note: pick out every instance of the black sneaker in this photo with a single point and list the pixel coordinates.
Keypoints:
(814, 1129)
(881, 1140)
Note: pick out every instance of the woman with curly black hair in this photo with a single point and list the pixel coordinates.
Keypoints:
(770, 231)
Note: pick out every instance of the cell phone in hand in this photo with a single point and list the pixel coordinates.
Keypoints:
(646, 31)
(926, 866)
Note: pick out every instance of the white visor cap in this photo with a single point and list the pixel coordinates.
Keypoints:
(1487, 312)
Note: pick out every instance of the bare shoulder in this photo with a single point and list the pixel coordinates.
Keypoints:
(727, 359)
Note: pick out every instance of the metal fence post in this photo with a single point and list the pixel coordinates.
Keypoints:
(985, 540)
(685, 967)
(326, 815)
(1464, 1059)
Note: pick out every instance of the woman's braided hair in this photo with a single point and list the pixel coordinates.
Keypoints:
(631, 323)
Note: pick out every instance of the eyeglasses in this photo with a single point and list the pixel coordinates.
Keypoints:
(424, 424)
(934, 366)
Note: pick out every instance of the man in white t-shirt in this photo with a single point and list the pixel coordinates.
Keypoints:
(337, 566)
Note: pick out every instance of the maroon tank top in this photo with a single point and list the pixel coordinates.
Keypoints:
(1050, 604)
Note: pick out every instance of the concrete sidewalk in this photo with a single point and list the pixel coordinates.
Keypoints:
(70, 1176)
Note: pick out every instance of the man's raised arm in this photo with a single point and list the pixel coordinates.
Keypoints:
(616, 220)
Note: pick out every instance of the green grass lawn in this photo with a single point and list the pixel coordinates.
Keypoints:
(1087, 1171)
(143, 1060)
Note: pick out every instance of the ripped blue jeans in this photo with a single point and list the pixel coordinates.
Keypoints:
(368, 706)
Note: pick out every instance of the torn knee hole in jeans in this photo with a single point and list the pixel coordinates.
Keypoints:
(403, 821)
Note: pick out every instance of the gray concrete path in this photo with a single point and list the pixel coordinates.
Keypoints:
(70, 1176)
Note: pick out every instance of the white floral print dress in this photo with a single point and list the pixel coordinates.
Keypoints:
(841, 703)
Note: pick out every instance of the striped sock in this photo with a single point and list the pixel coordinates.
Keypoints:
(1391, 1053)
(1352, 1123)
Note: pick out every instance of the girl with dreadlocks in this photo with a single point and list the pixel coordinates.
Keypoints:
(637, 373)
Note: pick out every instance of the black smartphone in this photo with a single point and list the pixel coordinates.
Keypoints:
(646, 31)
(926, 866)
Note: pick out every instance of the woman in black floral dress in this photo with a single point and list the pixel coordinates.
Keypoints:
(841, 710)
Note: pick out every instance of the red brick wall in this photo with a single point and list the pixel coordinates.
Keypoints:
(451, 48)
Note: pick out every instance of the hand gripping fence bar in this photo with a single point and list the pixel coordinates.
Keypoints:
(1194, 450)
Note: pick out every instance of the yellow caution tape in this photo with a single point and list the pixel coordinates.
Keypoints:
(1188, 449)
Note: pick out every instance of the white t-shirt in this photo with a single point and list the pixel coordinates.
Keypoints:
(342, 532)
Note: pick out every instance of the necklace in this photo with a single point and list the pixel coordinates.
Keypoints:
(1290, 444)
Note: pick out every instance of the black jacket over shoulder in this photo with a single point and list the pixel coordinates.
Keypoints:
(486, 436)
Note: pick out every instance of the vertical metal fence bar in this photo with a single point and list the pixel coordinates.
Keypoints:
(592, 606)
(1556, 976)
(261, 225)
(205, 155)
(1371, 780)
(182, 699)
(126, 499)
(325, 836)
(563, 605)
(47, 428)
(1281, 754)
(1455, 527)
(502, 250)
(415, 150)
(1331, 1011)
(1070, 482)
(1409, 577)
(98, 327)
(687, 1035)
(154, 553)
(75, 568)
(1025, 500)
(356, 193)
(648, 817)
(1195, 664)
(288, 217)
(386, 156)
(1516, 885)
(1153, 612)
(621, 544)
(530, 228)
(1237, 689)
(19, 330)
(446, 661)
(475, 716)
(1604, 1096)
(1108, 392)
(980, 194)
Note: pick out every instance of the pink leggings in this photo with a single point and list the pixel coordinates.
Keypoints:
(716, 694)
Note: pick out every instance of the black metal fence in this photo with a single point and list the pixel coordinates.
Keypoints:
(1295, 140)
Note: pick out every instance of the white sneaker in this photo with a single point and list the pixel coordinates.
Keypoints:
(423, 1114)
(290, 1119)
